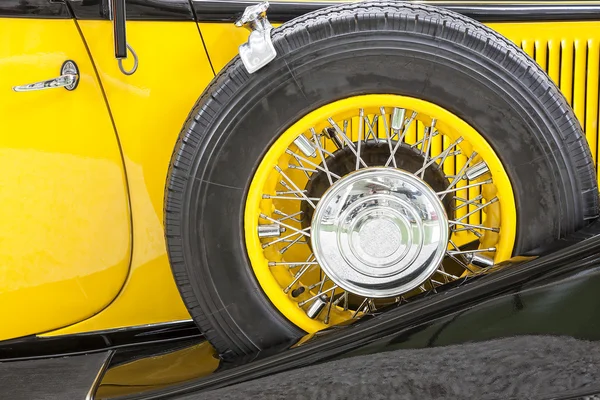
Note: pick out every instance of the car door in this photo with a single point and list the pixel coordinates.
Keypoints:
(149, 107)
(65, 242)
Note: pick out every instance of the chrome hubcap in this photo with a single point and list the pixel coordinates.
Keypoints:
(379, 232)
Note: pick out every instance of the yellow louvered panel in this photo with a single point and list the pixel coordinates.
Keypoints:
(570, 53)
(593, 86)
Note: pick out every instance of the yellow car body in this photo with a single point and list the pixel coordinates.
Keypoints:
(83, 171)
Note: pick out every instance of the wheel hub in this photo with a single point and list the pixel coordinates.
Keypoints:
(379, 232)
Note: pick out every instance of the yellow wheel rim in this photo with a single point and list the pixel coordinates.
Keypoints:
(431, 131)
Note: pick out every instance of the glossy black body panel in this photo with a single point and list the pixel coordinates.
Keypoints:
(33, 347)
(34, 9)
(282, 11)
(551, 296)
(137, 10)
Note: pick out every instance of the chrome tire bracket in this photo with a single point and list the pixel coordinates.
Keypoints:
(258, 51)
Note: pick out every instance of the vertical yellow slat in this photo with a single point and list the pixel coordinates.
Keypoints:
(419, 134)
(411, 133)
(579, 80)
(566, 69)
(475, 218)
(353, 128)
(459, 162)
(381, 126)
(366, 129)
(448, 166)
(436, 145)
(554, 60)
(541, 53)
(528, 46)
(591, 118)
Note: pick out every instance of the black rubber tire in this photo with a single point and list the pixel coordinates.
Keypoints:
(337, 52)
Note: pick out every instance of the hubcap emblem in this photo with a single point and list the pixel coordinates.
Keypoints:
(379, 232)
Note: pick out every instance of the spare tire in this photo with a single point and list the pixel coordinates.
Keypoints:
(286, 211)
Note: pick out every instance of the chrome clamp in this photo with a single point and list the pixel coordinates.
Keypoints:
(258, 51)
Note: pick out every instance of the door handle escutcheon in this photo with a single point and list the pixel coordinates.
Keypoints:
(68, 79)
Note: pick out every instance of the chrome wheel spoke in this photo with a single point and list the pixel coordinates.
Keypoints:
(455, 252)
(459, 262)
(429, 133)
(326, 320)
(301, 232)
(458, 177)
(477, 209)
(473, 202)
(290, 244)
(361, 115)
(407, 125)
(387, 134)
(473, 226)
(302, 303)
(441, 272)
(347, 141)
(299, 157)
(320, 150)
(288, 216)
(444, 192)
(304, 169)
(305, 268)
(296, 188)
(371, 128)
(283, 239)
(442, 156)
(268, 196)
(362, 305)
(291, 264)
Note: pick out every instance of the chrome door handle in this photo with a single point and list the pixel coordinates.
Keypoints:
(68, 79)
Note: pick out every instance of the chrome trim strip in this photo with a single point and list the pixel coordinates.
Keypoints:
(96, 383)
(34, 9)
(157, 325)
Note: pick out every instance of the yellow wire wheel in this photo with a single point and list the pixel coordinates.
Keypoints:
(275, 223)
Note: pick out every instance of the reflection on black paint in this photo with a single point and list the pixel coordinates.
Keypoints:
(33, 9)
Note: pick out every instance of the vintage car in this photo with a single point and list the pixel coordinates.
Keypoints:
(352, 158)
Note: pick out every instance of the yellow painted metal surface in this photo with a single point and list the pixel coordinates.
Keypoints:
(65, 236)
(149, 109)
(568, 51)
